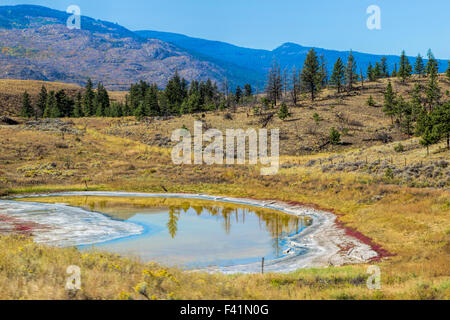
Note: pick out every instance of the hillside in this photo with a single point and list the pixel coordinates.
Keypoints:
(260, 61)
(36, 45)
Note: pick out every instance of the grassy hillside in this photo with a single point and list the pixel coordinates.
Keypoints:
(399, 211)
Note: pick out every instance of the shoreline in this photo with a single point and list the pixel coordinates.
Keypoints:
(327, 242)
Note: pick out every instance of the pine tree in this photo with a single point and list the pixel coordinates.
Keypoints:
(102, 101)
(151, 101)
(370, 73)
(174, 94)
(323, 72)
(432, 64)
(248, 91)
(441, 119)
(384, 68)
(371, 102)
(238, 94)
(64, 105)
(394, 73)
(351, 75)
(338, 76)
(405, 113)
(27, 108)
(433, 92)
(311, 77)
(51, 108)
(429, 137)
(417, 102)
(88, 99)
(296, 85)
(42, 100)
(335, 136)
(389, 102)
(284, 112)
(377, 71)
(419, 67)
(78, 109)
(405, 69)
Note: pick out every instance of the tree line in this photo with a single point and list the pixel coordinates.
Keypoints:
(314, 77)
(143, 100)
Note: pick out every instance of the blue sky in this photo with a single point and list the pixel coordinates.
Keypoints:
(413, 25)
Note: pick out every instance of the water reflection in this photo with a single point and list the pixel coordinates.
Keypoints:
(197, 233)
(279, 225)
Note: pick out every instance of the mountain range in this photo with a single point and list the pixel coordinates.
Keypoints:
(36, 44)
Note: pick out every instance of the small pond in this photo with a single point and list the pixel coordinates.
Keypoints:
(175, 232)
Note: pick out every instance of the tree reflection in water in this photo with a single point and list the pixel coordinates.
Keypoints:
(279, 225)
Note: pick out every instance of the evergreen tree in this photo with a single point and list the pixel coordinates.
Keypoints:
(42, 100)
(296, 85)
(405, 69)
(419, 67)
(238, 94)
(335, 136)
(151, 101)
(284, 112)
(384, 68)
(248, 91)
(370, 73)
(338, 75)
(174, 94)
(27, 108)
(323, 72)
(394, 73)
(351, 75)
(51, 108)
(432, 64)
(433, 92)
(64, 105)
(102, 101)
(417, 101)
(429, 137)
(371, 102)
(405, 113)
(140, 112)
(311, 76)
(78, 108)
(389, 102)
(441, 120)
(88, 99)
(377, 71)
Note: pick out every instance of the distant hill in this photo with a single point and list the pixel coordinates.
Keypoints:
(287, 55)
(36, 44)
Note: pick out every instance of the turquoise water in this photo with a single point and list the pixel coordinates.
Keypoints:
(205, 236)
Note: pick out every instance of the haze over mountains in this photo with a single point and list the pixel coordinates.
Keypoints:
(36, 44)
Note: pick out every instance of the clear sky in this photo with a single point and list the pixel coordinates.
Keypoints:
(413, 25)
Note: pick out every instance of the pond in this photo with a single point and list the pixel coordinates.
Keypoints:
(176, 232)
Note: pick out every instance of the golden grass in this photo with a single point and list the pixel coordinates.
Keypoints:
(114, 154)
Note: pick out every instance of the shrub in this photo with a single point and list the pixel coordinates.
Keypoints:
(399, 148)
(335, 136)
(389, 174)
(371, 102)
(317, 118)
(284, 112)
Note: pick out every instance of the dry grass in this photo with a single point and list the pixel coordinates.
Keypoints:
(121, 154)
